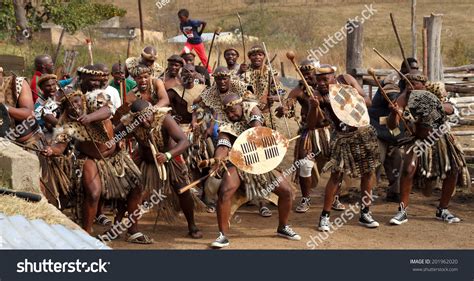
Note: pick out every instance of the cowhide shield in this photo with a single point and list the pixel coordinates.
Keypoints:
(258, 150)
(348, 105)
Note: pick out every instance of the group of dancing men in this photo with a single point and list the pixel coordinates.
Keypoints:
(147, 130)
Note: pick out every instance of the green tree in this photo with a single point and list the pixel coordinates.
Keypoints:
(72, 15)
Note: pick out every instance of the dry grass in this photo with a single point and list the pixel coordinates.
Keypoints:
(285, 24)
(11, 206)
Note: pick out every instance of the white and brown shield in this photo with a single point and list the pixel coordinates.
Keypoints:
(348, 105)
(258, 150)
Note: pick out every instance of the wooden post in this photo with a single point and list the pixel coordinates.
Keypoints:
(413, 28)
(141, 20)
(425, 52)
(282, 66)
(433, 25)
(354, 49)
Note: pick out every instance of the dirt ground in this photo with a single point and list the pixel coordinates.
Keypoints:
(250, 231)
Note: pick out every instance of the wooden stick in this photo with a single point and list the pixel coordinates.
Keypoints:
(384, 94)
(243, 45)
(425, 51)
(392, 66)
(399, 41)
(275, 83)
(309, 91)
(216, 32)
(413, 28)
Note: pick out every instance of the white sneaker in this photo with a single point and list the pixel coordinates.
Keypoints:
(288, 233)
(324, 223)
(304, 205)
(401, 217)
(446, 216)
(367, 220)
(220, 242)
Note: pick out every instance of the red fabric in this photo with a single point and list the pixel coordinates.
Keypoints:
(34, 87)
(200, 51)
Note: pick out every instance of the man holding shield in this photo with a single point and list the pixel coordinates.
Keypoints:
(242, 116)
(354, 150)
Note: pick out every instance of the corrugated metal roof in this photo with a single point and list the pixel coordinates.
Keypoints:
(17, 232)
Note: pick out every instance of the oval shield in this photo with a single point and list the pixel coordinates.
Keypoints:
(348, 105)
(258, 150)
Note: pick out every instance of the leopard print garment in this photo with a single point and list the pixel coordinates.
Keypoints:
(259, 80)
(69, 129)
(212, 99)
(237, 128)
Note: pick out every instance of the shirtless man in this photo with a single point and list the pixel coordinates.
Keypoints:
(159, 129)
(316, 142)
(148, 88)
(105, 170)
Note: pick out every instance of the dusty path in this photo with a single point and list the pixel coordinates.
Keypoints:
(250, 231)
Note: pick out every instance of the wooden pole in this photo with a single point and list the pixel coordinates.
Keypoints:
(354, 49)
(433, 25)
(413, 28)
(425, 52)
(282, 66)
(141, 20)
(399, 40)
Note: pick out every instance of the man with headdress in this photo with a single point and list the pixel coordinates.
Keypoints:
(43, 65)
(390, 153)
(210, 99)
(148, 88)
(104, 84)
(173, 71)
(354, 150)
(261, 83)
(46, 107)
(148, 58)
(314, 142)
(242, 116)
(102, 169)
(91, 79)
(161, 142)
(231, 55)
(203, 75)
(433, 152)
